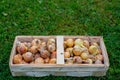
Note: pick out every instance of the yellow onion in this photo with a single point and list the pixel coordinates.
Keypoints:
(36, 42)
(89, 61)
(17, 59)
(93, 50)
(69, 42)
(45, 54)
(21, 48)
(79, 42)
(39, 61)
(86, 43)
(70, 50)
(53, 54)
(77, 50)
(69, 61)
(84, 55)
(34, 49)
(28, 56)
(65, 44)
(50, 41)
(94, 43)
(52, 61)
(66, 55)
(77, 59)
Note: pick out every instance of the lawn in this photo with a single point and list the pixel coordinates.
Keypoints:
(60, 17)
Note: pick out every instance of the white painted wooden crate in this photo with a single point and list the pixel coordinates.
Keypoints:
(59, 69)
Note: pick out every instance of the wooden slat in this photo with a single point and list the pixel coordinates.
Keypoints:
(104, 53)
(60, 50)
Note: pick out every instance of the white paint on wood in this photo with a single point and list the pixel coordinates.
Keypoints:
(79, 74)
(60, 50)
(37, 74)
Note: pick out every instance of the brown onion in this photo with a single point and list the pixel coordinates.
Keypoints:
(52, 61)
(99, 57)
(53, 55)
(36, 42)
(39, 61)
(98, 62)
(33, 49)
(47, 60)
(28, 57)
(21, 48)
(77, 59)
(17, 59)
(37, 55)
(45, 54)
(51, 47)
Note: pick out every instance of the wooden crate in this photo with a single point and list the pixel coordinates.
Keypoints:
(59, 69)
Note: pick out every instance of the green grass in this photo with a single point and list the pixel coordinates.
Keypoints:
(60, 17)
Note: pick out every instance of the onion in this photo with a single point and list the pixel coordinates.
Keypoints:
(53, 55)
(69, 42)
(93, 49)
(23, 62)
(77, 59)
(52, 61)
(86, 43)
(66, 55)
(21, 48)
(70, 50)
(89, 61)
(99, 57)
(37, 55)
(39, 61)
(47, 60)
(34, 49)
(28, 57)
(92, 57)
(95, 44)
(44, 45)
(36, 42)
(69, 61)
(84, 55)
(98, 62)
(51, 47)
(45, 54)
(65, 44)
(17, 59)
(77, 50)
(79, 42)
(33, 62)
(50, 41)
